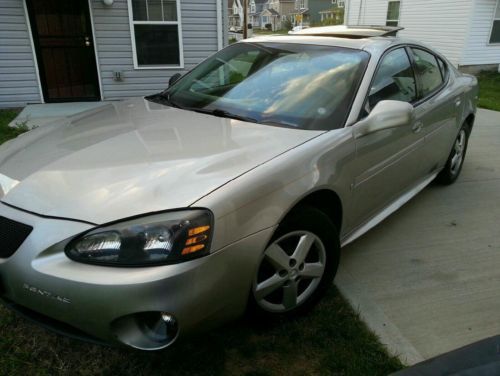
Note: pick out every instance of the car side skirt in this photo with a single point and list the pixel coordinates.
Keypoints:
(388, 210)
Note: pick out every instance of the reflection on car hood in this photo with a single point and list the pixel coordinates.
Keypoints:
(130, 158)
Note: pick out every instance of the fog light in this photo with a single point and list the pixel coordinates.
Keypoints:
(160, 327)
(167, 318)
(170, 323)
(147, 330)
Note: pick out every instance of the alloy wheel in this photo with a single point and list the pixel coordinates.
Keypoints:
(459, 149)
(290, 271)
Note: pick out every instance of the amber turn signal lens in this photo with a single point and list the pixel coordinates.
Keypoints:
(192, 249)
(196, 239)
(198, 230)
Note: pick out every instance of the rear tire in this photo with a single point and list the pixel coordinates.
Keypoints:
(298, 265)
(451, 171)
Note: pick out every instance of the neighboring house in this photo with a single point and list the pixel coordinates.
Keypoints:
(235, 14)
(84, 50)
(467, 32)
(333, 15)
(256, 8)
(314, 12)
(276, 12)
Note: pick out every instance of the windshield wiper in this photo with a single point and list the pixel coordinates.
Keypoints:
(164, 97)
(225, 114)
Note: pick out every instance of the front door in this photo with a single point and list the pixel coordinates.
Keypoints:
(388, 162)
(64, 47)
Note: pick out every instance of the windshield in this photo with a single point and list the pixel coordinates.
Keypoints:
(296, 85)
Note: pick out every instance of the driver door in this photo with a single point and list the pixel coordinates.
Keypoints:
(388, 161)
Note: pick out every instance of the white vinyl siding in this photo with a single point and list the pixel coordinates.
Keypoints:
(478, 50)
(18, 78)
(442, 24)
(367, 12)
(114, 46)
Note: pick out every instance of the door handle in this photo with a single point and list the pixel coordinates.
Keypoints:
(417, 126)
(87, 41)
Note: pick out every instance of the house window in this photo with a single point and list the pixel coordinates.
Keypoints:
(341, 3)
(252, 6)
(334, 2)
(495, 29)
(156, 33)
(393, 13)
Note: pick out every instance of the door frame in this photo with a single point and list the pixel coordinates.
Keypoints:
(39, 69)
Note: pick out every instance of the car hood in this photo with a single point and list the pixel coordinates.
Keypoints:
(131, 158)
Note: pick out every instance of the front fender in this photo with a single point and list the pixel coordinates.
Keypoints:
(261, 198)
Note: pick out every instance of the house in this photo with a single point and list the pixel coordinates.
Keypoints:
(467, 32)
(255, 12)
(276, 12)
(316, 12)
(91, 50)
(235, 14)
(332, 15)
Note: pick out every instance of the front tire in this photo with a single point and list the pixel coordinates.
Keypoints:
(455, 161)
(298, 265)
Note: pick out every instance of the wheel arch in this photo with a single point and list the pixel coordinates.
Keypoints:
(325, 200)
(469, 119)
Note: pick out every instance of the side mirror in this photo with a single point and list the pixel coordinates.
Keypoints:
(385, 115)
(174, 79)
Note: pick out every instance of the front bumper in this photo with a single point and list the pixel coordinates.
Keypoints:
(106, 303)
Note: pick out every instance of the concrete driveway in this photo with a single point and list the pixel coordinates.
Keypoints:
(427, 279)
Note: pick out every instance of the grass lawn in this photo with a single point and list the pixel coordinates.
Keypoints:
(330, 340)
(6, 132)
(489, 90)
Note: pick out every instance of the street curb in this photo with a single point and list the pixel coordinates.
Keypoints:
(389, 334)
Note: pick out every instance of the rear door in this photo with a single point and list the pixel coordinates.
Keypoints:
(387, 161)
(438, 108)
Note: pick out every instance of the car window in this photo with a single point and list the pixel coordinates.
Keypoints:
(443, 68)
(394, 80)
(428, 71)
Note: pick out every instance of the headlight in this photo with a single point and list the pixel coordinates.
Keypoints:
(165, 238)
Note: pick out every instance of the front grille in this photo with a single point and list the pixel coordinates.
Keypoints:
(12, 235)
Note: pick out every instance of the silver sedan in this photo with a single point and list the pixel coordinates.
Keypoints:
(231, 191)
